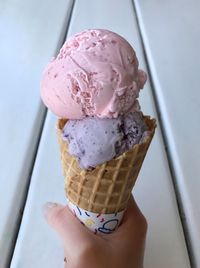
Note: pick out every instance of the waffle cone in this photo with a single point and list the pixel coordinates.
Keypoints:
(107, 188)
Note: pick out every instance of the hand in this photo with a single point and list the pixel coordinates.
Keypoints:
(122, 249)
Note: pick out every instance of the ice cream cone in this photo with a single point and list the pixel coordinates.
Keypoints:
(107, 188)
(95, 82)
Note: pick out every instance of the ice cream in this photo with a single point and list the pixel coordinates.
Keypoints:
(95, 74)
(93, 87)
(94, 141)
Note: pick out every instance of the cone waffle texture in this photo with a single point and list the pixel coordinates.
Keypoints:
(107, 188)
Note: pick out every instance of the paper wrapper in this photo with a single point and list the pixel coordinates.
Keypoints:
(98, 223)
(107, 188)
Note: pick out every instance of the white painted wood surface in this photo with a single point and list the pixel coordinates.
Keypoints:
(29, 34)
(172, 40)
(37, 244)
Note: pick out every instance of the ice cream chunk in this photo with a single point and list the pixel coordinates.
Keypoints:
(94, 141)
(95, 74)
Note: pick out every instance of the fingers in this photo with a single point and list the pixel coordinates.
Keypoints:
(133, 217)
(131, 234)
(134, 224)
(68, 227)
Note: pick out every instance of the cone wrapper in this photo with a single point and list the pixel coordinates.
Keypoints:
(98, 223)
(107, 188)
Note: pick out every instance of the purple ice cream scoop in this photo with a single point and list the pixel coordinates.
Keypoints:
(94, 141)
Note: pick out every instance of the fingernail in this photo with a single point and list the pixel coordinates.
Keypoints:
(47, 208)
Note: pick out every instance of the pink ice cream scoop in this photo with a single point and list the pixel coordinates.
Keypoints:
(95, 74)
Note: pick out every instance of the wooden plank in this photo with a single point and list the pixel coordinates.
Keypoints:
(37, 245)
(30, 32)
(172, 45)
(165, 243)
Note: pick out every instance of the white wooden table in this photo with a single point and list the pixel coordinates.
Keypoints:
(166, 37)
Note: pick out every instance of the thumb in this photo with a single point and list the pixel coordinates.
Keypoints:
(67, 226)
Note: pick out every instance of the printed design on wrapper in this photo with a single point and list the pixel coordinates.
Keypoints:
(89, 222)
(79, 210)
(109, 226)
(97, 222)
